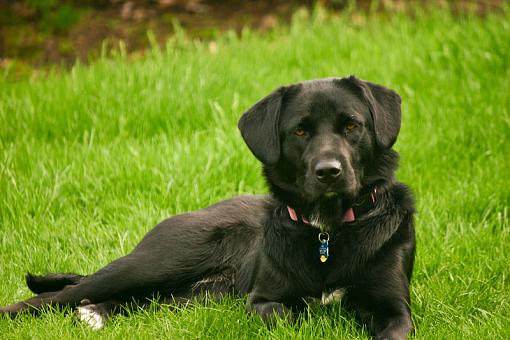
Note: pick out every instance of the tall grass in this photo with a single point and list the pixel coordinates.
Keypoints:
(91, 159)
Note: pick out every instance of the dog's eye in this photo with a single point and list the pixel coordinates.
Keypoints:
(300, 132)
(351, 126)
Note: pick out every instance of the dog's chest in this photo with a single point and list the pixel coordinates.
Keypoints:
(314, 273)
(299, 255)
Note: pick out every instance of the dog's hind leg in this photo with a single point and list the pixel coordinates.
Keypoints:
(214, 287)
(138, 275)
(46, 287)
(116, 279)
(26, 305)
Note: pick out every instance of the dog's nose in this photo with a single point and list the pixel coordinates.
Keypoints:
(328, 171)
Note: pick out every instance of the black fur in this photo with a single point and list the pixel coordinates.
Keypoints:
(250, 245)
(51, 282)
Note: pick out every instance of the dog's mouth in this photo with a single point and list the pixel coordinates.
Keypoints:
(342, 190)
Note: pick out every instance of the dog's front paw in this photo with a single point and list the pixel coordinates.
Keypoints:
(270, 311)
(396, 330)
(391, 335)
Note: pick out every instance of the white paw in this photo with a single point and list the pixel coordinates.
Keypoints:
(90, 316)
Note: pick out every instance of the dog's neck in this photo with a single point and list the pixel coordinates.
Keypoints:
(325, 220)
(328, 212)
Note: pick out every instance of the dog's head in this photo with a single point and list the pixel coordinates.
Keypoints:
(318, 140)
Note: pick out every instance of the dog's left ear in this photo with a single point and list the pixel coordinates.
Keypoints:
(385, 109)
(259, 127)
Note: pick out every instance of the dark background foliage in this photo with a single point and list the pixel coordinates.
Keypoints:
(42, 32)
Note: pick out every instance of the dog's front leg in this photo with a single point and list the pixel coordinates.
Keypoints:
(384, 310)
(269, 292)
(269, 311)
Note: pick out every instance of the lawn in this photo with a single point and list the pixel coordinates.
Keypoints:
(91, 159)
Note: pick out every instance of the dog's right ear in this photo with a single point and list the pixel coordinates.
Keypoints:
(259, 127)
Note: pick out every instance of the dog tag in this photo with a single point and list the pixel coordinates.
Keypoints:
(324, 247)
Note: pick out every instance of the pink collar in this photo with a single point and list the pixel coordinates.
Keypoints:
(348, 216)
(366, 204)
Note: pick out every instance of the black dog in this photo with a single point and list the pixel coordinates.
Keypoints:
(336, 219)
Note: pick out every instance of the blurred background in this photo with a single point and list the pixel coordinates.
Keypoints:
(37, 33)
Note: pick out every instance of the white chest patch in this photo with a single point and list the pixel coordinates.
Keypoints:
(334, 296)
(317, 222)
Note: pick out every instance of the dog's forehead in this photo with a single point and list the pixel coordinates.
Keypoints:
(319, 97)
(328, 91)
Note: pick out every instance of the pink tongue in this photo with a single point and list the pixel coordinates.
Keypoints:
(349, 216)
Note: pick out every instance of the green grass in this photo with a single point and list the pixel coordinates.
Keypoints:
(91, 159)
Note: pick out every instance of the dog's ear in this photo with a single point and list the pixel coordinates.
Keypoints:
(259, 127)
(384, 106)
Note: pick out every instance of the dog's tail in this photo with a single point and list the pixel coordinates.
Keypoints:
(51, 282)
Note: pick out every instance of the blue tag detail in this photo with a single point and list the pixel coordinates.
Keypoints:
(324, 250)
